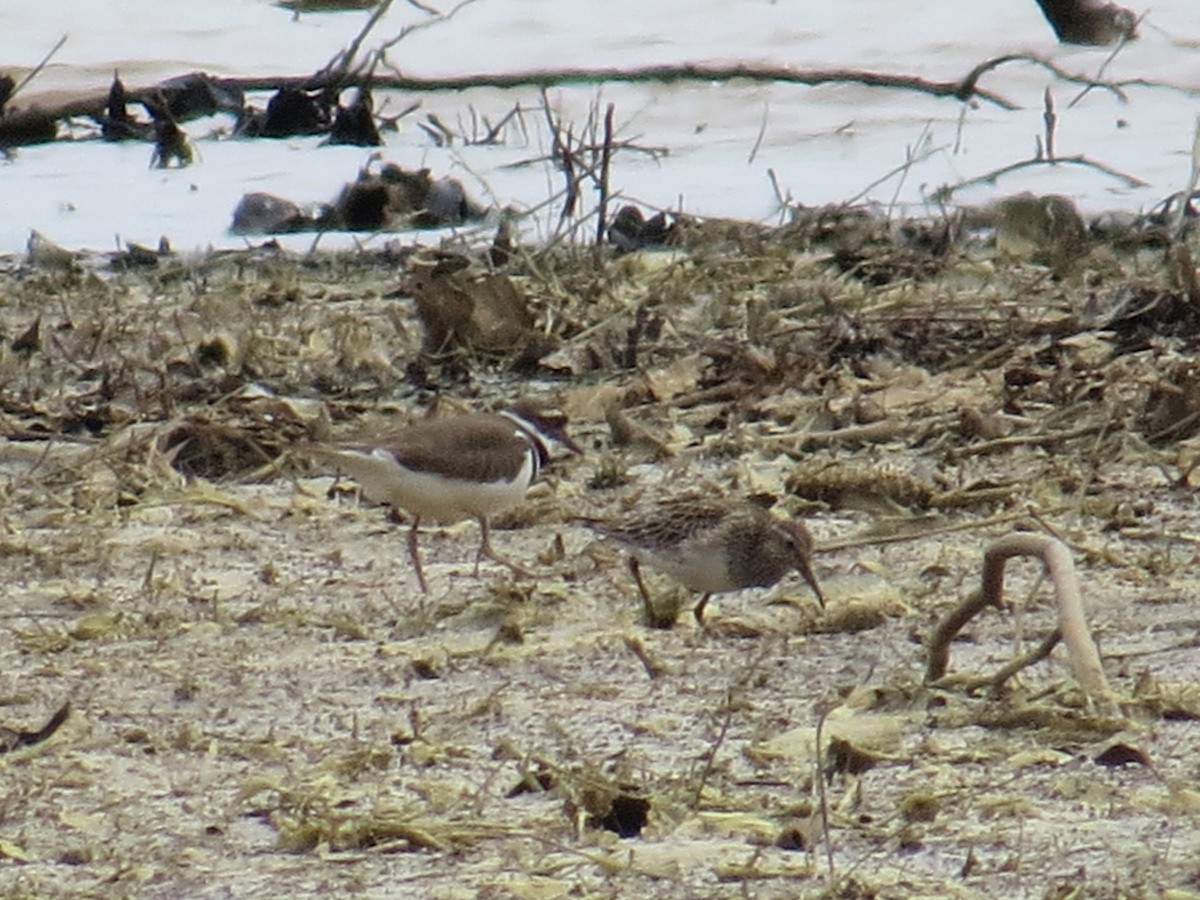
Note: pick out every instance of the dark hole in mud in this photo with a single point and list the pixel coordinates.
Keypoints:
(792, 838)
(626, 817)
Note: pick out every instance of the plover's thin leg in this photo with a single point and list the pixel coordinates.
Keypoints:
(485, 550)
(414, 554)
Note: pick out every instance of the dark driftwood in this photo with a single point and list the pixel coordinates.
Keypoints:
(17, 122)
(33, 123)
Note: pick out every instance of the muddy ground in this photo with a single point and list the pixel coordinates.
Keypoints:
(262, 704)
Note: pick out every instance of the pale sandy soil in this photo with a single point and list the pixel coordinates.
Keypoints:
(262, 705)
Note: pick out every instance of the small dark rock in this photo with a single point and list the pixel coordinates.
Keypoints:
(293, 112)
(260, 213)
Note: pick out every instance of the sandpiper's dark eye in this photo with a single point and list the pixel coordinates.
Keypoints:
(798, 543)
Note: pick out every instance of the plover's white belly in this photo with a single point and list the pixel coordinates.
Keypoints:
(703, 572)
(431, 496)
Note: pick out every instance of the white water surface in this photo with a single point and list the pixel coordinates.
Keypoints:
(823, 144)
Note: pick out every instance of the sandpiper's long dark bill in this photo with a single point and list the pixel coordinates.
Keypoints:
(711, 546)
(461, 467)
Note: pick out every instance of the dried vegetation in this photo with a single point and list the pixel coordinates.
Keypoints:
(262, 701)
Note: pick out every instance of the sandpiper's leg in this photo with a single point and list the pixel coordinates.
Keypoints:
(698, 612)
(635, 570)
(485, 550)
(414, 554)
(656, 616)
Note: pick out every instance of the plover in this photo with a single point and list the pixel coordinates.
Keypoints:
(459, 467)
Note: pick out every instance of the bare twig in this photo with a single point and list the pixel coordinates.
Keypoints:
(783, 198)
(913, 153)
(822, 791)
(562, 157)
(493, 132)
(381, 54)
(911, 158)
(342, 63)
(710, 755)
(1104, 65)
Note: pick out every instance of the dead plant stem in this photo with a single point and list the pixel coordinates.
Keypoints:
(823, 793)
(606, 154)
(710, 755)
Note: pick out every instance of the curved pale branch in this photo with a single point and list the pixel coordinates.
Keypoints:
(1073, 628)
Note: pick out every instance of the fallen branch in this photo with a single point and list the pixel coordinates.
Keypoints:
(668, 74)
(339, 74)
(345, 71)
(1073, 629)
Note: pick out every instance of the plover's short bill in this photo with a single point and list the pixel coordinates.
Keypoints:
(461, 467)
(710, 546)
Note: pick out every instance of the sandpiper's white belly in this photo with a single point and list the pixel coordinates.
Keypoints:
(436, 497)
(703, 572)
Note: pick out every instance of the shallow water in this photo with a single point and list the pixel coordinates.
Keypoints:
(825, 144)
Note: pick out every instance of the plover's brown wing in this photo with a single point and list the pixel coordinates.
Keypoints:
(483, 448)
